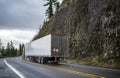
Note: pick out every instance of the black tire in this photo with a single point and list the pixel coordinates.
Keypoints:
(39, 60)
(42, 60)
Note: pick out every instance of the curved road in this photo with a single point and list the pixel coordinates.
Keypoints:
(17, 68)
(5, 71)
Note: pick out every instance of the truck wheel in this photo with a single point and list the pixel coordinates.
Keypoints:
(42, 60)
(56, 62)
(39, 60)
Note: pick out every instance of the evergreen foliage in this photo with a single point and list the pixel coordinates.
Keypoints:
(50, 9)
(10, 50)
(21, 49)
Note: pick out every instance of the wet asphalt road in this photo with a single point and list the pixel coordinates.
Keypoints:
(5, 71)
(32, 70)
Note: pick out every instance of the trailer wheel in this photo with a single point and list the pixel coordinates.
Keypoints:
(39, 60)
(42, 60)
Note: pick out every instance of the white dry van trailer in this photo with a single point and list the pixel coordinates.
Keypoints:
(49, 48)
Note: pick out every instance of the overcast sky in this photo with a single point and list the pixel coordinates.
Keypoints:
(20, 19)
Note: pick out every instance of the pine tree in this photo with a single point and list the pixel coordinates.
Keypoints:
(0, 44)
(2, 51)
(0, 48)
(10, 50)
(49, 11)
(7, 53)
(21, 49)
(57, 6)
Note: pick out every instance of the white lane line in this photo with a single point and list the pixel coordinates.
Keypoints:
(14, 69)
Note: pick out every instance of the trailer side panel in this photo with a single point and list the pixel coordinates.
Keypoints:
(40, 47)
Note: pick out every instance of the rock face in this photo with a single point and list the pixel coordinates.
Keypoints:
(92, 28)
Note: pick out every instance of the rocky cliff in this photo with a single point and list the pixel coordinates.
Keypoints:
(92, 28)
